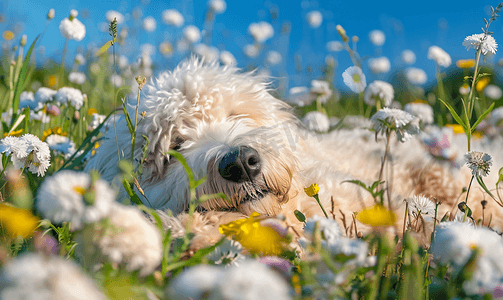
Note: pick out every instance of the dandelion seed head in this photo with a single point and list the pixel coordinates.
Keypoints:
(479, 162)
(173, 17)
(377, 37)
(314, 19)
(441, 57)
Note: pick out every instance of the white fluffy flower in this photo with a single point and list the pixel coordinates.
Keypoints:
(61, 145)
(476, 41)
(273, 58)
(329, 228)
(299, 96)
(377, 37)
(77, 77)
(72, 30)
(227, 58)
(379, 65)
(173, 17)
(314, 18)
(320, 90)
(251, 51)
(421, 205)
(44, 95)
(194, 282)
(316, 121)
(37, 276)
(355, 79)
(60, 199)
(113, 14)
(207, 53)
(334, 46)
(478, 162)
(15, 146)
(421, 110)
(38, 156)
(80, 59)
(397, 120)
(408, 57)
(493, 92)
(192, 33)
(149, 24)
(40, 116)
(27, 99)
(96, 121)
(218, 6)
(437, 54)
(70, 96)
(261, 31)
(227, 254)
(416, 76)
(379, 91)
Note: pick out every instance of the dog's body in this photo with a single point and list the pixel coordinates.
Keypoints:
(251, 147)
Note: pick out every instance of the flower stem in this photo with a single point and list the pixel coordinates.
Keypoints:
(388, 136)
(319, 203)
(468, 191)
(62, 67)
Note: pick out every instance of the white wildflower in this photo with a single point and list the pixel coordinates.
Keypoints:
(397, 120)
(61, 198)
(379, 91)
(38, 158)
(7, 116)
(112, 14)
(195, 282)
(421, 110)
(192, 34)
(80, 59)
(320, 90)
(173, 17)
(416, 76)
(227, 254)
(485, 42)
(421, 205)
(61, 145)
(146, 50)
(437, 54)
(493, 92)
(464, 89)
(497, 116)
(96, 121)
(251, 51)
(377, 37)
(207, 53)
(273, 58)
(44, 95)
(355, 79)
(329, 228)
(77, 77)
(227, 58)
(478, 162)
(408, 57)
(149, 24)
(299, 96)
(72, 30)
(354, 249)
(335, 46)
(116, 80)
(261, 31)
(218, 6)
(379, 65)
(51, 14)
(314, 18)
(40, 116)
(74, 13)
(70, 96)
(123, 62)
(316, 121)
(27, 99)
(15, 146)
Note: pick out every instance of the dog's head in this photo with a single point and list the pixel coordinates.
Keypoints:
(229, 129)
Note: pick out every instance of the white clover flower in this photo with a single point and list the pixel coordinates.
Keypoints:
(355, 79)
(173, 17)
(316, 121)
(437, 54)
(379, 65)
(112, 14)
(149, 24)
(192, 34)
(218, 6)
(320, 90)
(27, 99)
(335, 46)
(207, 53)
(454, 244)
(329, 228)
(421, 205)
(273, 58)
(314, 19)
(61, 145)
(397, 120)
(251, 51)
(80, 59)
(379, 91)
(77, 77)
(485, 42)
(227, 58)
(261, 31)
(421, 110)
(377, 37)
(354, 249)
(299, 96)
(408, 57)
(60, 199)
(478, 162)
(416, 76)
(72, 30)
(44, 95)
(70, 96)
(493, 92)
(227, 254)
(37, 276)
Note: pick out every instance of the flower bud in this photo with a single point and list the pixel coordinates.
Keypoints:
(73, 14)
(24, 38)
(50, 14)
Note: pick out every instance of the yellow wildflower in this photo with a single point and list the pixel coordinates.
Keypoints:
(420, 101)
(52, 80)
(55, 130)
(17, 222)
(253, 236)
(14, 133)
(96, 146)
(482, 83)
(456, 128)
(377, 215)
(312, 190)
(465, 63)
(92, 111)
(8, 35)
(477, 134)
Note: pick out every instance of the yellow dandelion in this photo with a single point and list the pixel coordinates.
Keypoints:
(8, 35)
(376, 216)
(17, 222)
(52, 80)
(13, 133)
(92, 111)
(456, 128)
(312, 190)
(253, 236)
(482, 83)
(465, 63)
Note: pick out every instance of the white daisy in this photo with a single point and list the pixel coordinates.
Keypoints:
(72, 29)
(273, 58)
(261, 31)
(354, 79)
(173, 17)
(227, 254)
(149, 24)
(493, 92)
(314, 19)
(485, 42)
(251, 51)
(300, 96)
(113, 14)
(393, 119)
(227, 58)
(420, 204)
(478, 162)
(408, 57)
(416, 76)
(330, 229)
(379, 91)
(27, 99)
(60, 199)
(320, 90)
(335, 46)
(77, 77)
(421, 110)
(96, 121)
(15, 146)
(70, 96)
(316, 121)
(379, 65)
(218, 6)
(437, 54)
(377, 37)
(44, 95)
(207, 53)
(38, 159)
(192, 34)
(61, 145)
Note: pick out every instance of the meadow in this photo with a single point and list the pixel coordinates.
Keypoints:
(64, 235)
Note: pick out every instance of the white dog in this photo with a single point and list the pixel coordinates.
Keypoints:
(251, 147)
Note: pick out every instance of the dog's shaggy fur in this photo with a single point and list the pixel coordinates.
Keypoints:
(208, 112)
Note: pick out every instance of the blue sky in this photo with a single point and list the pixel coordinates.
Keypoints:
(407, 25)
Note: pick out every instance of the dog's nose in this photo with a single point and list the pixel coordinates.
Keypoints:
(240, 164)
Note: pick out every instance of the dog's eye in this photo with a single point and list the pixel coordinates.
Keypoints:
(177, 143)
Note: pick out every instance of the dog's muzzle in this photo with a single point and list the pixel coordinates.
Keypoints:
(240, 164)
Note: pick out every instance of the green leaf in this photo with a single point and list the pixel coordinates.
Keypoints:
(129, 190)
(357, 182)
(182, 160)
(104, 48)
(455, 115)
(482, 184)
(128, 119)
(482, 116)
(300, 216)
